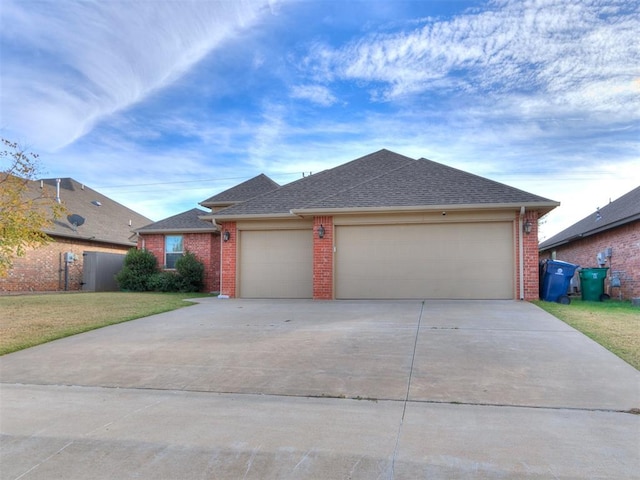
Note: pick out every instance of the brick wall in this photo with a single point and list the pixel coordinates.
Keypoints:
(228, 267)
(323, 259)
(205, 246)
(625, 244)
(43, 269)
(531, 259)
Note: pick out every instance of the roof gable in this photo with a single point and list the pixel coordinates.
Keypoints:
(188, 221)
(624, 210)
(244, 191)
(382, 180)
(105, 220)
(320, 185)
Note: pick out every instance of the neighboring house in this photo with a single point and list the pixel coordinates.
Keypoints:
(92, 223)
(609, 237)
(168, 239)
(384, 226)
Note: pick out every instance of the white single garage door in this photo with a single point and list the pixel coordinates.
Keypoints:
(458, 261)
(276, 263)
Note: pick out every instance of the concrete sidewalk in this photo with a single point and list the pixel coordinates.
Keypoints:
(301, 389)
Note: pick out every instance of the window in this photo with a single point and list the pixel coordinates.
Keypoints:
(172, 250)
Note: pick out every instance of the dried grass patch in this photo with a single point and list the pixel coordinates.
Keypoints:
(28, 320)
(614, 325)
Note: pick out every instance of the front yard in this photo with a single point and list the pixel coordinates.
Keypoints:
(614, 325)
(29, 320)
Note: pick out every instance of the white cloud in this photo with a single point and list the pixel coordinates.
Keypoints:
(314, 93)
(113, 54)
(577, 54)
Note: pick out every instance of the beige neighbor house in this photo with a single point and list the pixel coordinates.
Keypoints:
(88, 243)
(193, 231)
(609, 237)
(383, 226)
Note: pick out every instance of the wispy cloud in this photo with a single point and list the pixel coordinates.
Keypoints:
(574, 54)
(113, 54)
(318, 94)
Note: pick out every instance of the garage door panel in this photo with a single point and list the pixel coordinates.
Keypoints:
(425, 261)
(276, 264)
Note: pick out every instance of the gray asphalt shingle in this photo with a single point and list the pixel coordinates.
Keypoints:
(244, 191)
(185, 221)
(624, 210)
(105, 220)
(384, 179)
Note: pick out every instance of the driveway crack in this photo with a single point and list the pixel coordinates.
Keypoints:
(406, 398)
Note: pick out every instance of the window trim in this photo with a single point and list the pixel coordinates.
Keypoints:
(177, 254)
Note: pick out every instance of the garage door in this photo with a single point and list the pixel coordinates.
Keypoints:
(458, 261)
(276, 264)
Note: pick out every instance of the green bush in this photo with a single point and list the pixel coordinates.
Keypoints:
(164, 282)
(190, 273)
(139, 265)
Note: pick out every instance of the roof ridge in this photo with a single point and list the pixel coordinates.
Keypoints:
(364, 182)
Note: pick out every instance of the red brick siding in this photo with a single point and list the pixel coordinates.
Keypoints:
(43, 269)
(323, 259)
(625, 244)
(530, 256)
(228, 267)
(205, 246)
(531, 275)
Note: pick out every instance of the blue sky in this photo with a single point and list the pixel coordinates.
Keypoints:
(160, 105)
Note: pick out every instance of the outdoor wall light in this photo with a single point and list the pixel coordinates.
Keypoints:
(527, 227)
(226, 235)
(320, 231)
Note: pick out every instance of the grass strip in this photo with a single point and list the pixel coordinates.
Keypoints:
(613, 324)
(29, 320)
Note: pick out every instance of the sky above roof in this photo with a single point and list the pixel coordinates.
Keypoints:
(160, 105)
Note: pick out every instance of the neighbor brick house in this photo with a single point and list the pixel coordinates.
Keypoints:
(106, 228)
(383, 226)
(609, 237)
(194, 231)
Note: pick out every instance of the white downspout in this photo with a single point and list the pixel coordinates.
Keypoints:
(521, 251)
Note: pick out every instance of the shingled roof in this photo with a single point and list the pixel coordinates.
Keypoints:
(105, 220)
(184, 222)
(382, 181)
(625, 209)
(244, 191)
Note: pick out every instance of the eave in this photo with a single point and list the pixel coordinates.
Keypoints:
(176, 230)
(87, 238)
(542, 207)
(253, 216)
(591, 232)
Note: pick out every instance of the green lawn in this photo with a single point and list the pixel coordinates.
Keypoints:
(28, 320)
(613, 324)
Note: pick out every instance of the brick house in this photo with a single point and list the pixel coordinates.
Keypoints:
(609, 237)
(383, 226)
(106, 228)
(194, 231)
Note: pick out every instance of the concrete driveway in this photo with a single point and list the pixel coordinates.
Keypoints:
(327, 390)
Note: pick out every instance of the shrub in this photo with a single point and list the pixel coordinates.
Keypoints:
(139, 265)
(164, 282)
(190, 273)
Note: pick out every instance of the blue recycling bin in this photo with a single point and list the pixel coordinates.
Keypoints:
(555, 281)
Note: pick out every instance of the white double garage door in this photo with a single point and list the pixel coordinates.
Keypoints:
(407, 261)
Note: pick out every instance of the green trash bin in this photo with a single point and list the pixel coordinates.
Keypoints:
(592, 284)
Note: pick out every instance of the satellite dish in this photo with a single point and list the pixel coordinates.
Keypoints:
(75, 219)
